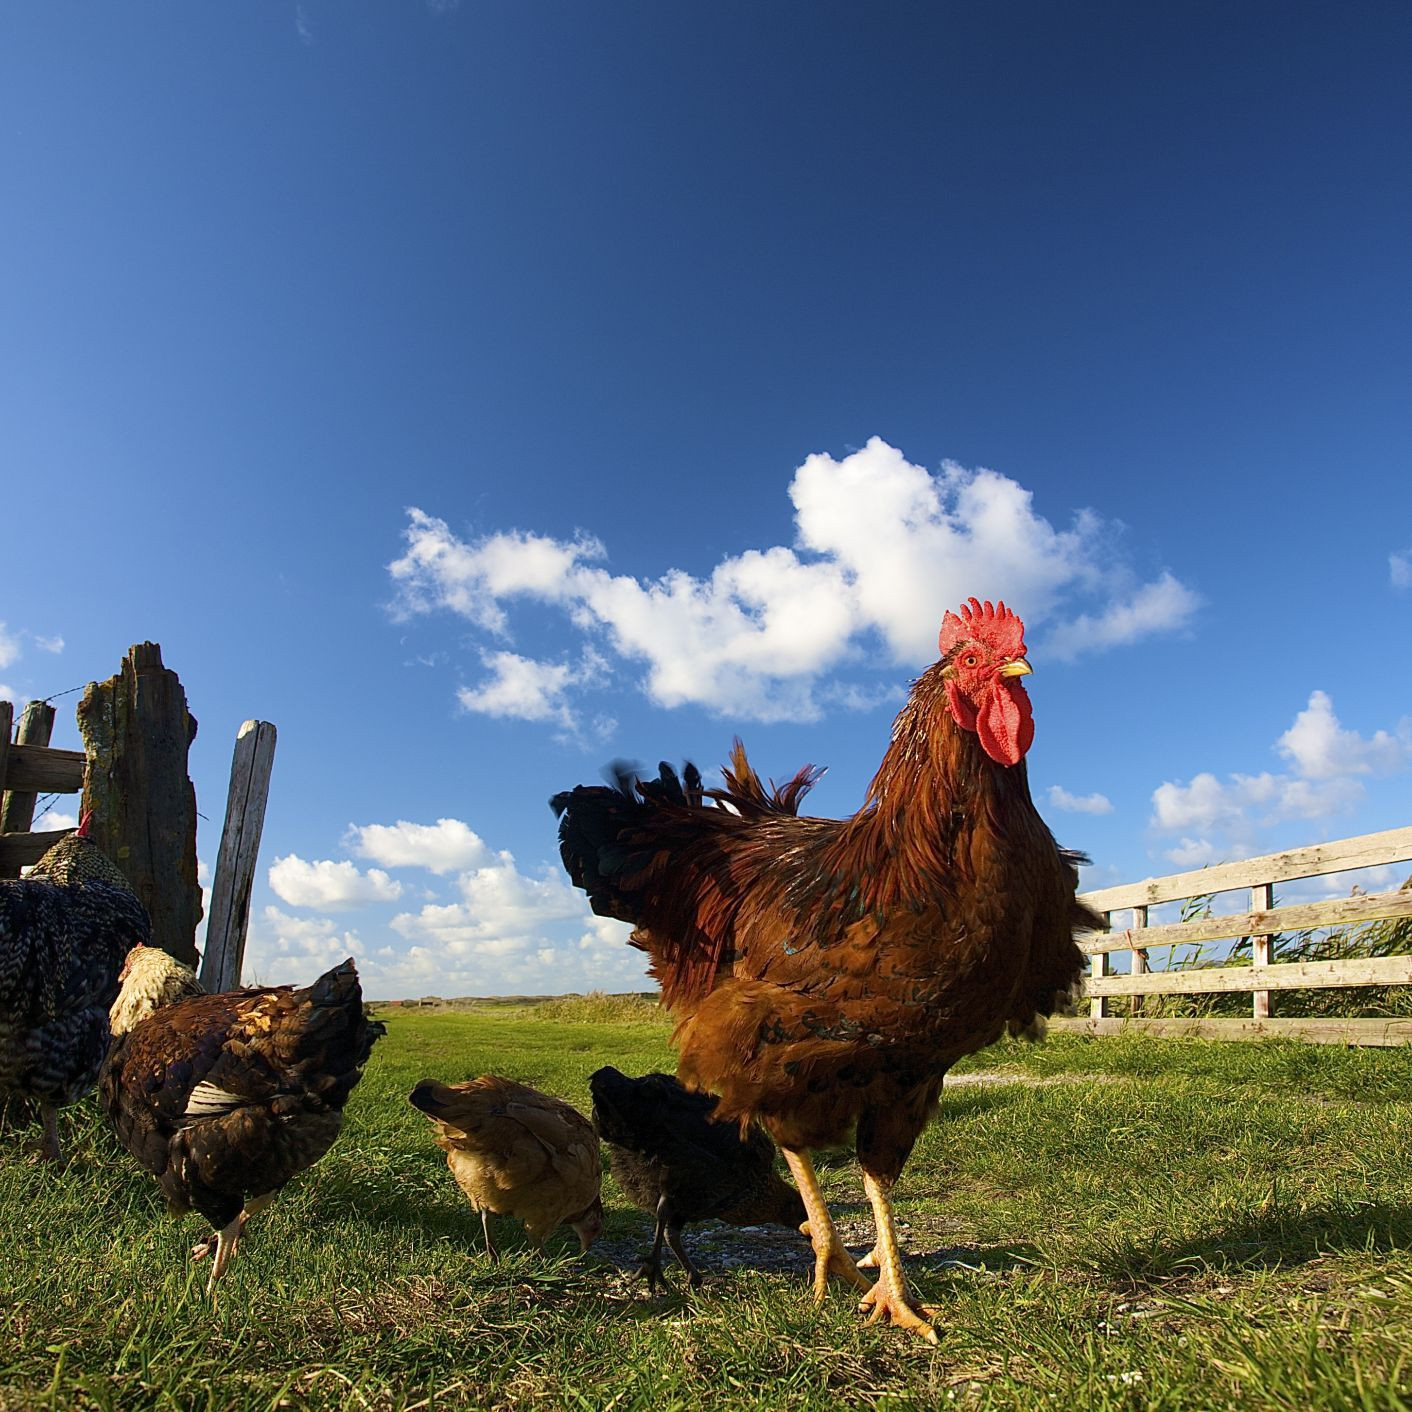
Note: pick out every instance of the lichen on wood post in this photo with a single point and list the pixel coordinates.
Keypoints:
(136, 731)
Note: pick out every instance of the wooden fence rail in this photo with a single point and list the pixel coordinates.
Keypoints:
(1260, 925)
(29, 768)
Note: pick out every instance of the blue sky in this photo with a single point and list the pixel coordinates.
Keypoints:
(481, 392)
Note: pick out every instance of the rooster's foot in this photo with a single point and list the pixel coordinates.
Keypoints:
(651, 1271)
(882, 1299)
(833, 1259)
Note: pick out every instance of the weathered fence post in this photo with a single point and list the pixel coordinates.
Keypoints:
(240, 846)
(17, 806)
(1142, 962)
(1262, 898)
(137, 731)
(1100, 967)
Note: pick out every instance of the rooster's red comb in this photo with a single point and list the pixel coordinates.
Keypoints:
(84, 823)
(994, 625)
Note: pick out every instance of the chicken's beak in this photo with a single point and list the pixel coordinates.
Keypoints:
(1018, 668)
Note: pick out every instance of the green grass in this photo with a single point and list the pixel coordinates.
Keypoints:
(1121, 1223)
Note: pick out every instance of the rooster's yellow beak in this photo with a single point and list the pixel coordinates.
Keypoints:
(1018, 668)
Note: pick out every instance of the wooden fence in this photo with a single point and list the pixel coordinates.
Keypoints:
(132, 773)
(29, 768)
(1266, 976)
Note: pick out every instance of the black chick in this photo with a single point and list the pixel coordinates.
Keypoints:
(673, 1161)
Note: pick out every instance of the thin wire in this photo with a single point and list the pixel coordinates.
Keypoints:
(47, 699)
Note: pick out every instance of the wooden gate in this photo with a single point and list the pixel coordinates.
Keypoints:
(1127, 907)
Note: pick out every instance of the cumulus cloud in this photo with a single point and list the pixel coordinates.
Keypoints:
(1155, 607)
(443, 847)
(484, 928)
(521, 688)
(286, 950)
(1060, 798)
(1320, 749)
(515, 931)
(1197, 853)
(1400, 569)
(882, 548)
(440, 571)
(502, 910)
(1327, 765)
(328, 884)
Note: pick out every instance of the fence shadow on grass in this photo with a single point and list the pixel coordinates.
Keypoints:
(1263, 1241)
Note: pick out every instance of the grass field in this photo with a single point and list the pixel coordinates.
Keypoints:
(1103, 1224)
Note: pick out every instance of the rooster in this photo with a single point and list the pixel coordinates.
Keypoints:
(677, 1163)
(64, 930)
(517, 1152)
(827, 973)
(224, 1098)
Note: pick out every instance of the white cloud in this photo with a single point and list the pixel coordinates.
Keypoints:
(511, 931)
(50, 644)
(523, 689)
(883, 548)
(9, 649)
(502, 911)
(1319, 748)
(1162, 606)
(488, 928)
(1400, 569)
(440, 571)
(442, 847)
(285, 950)
(1060, 798)
(328, 884)
(1246, 800)
(51, 820)
(1196, 853)
(1327, 765)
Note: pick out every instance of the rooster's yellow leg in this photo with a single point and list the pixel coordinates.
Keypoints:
(830, 1257)
(890, 1295)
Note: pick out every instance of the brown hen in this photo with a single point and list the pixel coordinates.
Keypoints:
(827, 973)
(224, 1098)
(517, 1152)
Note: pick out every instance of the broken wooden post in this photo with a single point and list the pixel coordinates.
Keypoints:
(136, 731)
(240, 847)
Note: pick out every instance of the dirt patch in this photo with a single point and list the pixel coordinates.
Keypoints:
(721, 1250)
(997, 1078)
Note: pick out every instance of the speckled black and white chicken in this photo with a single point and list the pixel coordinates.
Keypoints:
(224, 1098)
(64, 931)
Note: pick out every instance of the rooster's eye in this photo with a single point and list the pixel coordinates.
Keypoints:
(971, 659)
